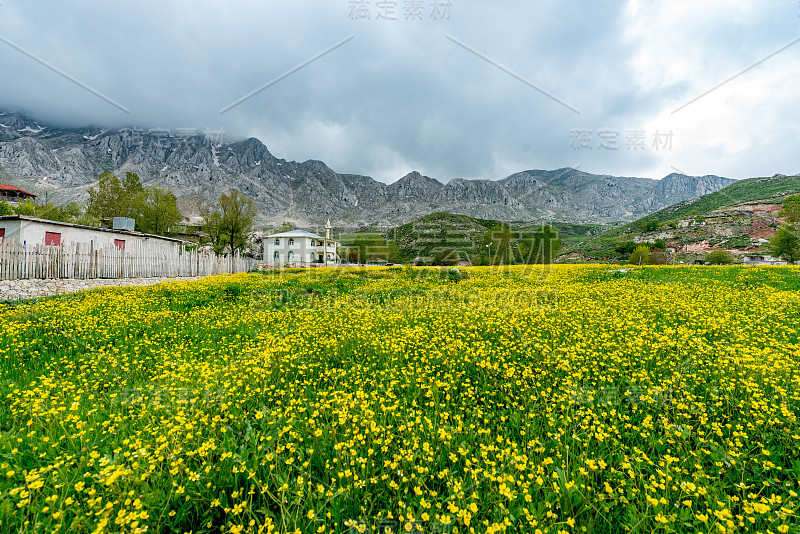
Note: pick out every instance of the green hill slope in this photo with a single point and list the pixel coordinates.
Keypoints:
(726, 207)
(432, 234)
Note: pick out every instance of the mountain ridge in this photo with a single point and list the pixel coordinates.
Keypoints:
(64, 162)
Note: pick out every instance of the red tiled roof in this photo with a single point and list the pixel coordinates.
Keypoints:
(6, 187)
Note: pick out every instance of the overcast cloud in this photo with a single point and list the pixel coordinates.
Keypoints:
(401, 96)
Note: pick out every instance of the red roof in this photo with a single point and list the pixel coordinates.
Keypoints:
(6, 187)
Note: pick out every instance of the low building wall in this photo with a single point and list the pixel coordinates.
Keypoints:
(28, 289)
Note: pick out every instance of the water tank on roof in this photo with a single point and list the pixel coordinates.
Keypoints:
(124, 223)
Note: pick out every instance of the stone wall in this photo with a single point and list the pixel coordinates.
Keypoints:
(28, 289)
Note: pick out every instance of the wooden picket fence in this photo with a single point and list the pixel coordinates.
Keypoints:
(20, 261)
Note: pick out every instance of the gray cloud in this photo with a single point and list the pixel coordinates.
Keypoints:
(400, 96)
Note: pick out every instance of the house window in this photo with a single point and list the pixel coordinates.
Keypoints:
(52, 239)
(2, 233)
(291, 241)
(276, 256)
(312, 242)
(277, 242)
(290, 256)
(120, 244)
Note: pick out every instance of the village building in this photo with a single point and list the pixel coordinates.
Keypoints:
(14, 195)
(32, 231)
(298, 247)
(761, 259)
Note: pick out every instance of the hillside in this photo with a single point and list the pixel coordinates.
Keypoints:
(739, 218)
(424, 238)
(63, 163)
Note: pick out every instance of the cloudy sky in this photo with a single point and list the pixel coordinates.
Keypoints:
(457, 88)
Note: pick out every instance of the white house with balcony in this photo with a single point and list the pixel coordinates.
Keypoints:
(298, 247)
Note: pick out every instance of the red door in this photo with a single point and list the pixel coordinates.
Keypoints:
(119, 243)
(2, 233)
(52, 239)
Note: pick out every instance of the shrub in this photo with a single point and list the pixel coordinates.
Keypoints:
(719, 257)
(640, 255)
(5, 208)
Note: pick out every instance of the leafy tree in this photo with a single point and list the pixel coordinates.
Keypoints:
(159, 211)
(658, 257)
(213, 229)
(791, 209)
(155, 209)
(113, 199)
(446, 257)
(230, 225)
(70, 213)
(5, 208)
(26, 208)
(649, 225)
(541, 247)
(286, 226)
(640, 255)
(626, 247)
(659, 243)
(719, 257)
(498, 242)
(785, 244)
(373, 248)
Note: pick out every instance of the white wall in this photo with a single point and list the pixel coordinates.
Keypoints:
(11, 228)
(33, 233)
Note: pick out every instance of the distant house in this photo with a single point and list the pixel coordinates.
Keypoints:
(761, 259)
(33, 231)
(188, 229)
(298, 247)
(14, 194)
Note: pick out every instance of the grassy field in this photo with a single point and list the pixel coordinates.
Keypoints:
(574, 399)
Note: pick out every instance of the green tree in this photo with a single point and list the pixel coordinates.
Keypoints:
(113, 198)
(658, 257)
(213, 231)
(498, 242)
(446, 257)
(649, 225)
(640, 255)
(158, 212)
(791, 209)
(719, 257)
(286, 226)
(546, 245)
(70, 213)
(5, 208)
(155, 209)
(26, 208)
(785, 244)
(229, 225)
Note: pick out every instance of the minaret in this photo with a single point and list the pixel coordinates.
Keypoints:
(327, 238)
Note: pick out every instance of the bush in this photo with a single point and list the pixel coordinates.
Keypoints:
(640, 255)
(26, 208)
(719, 257)
(658, 257)
(649, 226)
(5, 208)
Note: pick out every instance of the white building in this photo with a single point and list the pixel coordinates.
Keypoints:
(300, 247)
(33, 231)
(762, 259)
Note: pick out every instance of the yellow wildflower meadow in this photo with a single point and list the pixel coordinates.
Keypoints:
(571, 399)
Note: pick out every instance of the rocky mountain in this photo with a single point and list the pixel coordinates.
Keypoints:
(61, 163)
